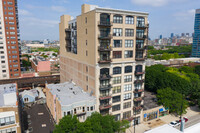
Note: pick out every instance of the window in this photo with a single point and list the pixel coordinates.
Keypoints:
(117, 70)
(117, 117)
(128, 69)
(10, 8)
(138, 86)
(12, 33)
(138, 68)
(2, 57)
(139, 43)
(117, 54)
(11, 18)
(140, 33)
(115, 107)
(117, 19)
(117, 32)
(129, 32)
(128, 43)
(127, 105)
(3, 71)
(140, 22)
(116, 89)
(13, 42)
(127, 87)
(104, 83)
(12, 28)
(129, 20)
(7, 120)
(15, 65)
(128, 78)
(10, 13)
(14, 56)
(116, 80)
(139, 54)
(86, 53)
(91, 108)
(86, 20)
(127, 96)
(9, 3)
(12, 37)
(126, 114)
(116, 99)
(3, 61)
(128, 54)
(117, 43)
(11, 23)
(16, 74)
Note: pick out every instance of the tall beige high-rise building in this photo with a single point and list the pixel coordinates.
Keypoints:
(103, 51)
(9, 40)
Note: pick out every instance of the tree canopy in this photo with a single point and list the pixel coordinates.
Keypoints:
(96, 123)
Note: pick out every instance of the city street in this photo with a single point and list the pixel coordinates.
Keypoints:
(191, 121)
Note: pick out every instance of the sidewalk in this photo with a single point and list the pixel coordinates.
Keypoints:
(191, 111)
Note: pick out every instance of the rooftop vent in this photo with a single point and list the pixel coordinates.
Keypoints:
(74, 92)
(71, 88)
(58, 90)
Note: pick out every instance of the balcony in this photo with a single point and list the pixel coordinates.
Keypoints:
(141, 37)
(103, 97)
(129, 119)
(104, 60)
(104, 77)
(105, 106)
(105, 36)
(104, 24)
(142, 26)
(68, 38)
(139, 47)
(67, 30)
(104, 48)
(81, 114)
(138, 90)
(139, 81)
(137, 107)
(139, 58)
(137, 99)
(139, 73)
(105, 87)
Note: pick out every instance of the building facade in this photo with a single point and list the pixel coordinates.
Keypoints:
(69, 99)
(196, 37)
(9, 111)
(103, 51)
(9, 40)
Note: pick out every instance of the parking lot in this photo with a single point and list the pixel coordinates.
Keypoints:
(36, 119)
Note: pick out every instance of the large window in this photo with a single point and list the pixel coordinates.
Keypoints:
(117, 43)
(104, 83)
(117, 19)
(7, 120)
(127, 96)
(139, 43)
(127, 87)
(128, 78)
(128, 43)
(139, 54)
(140, 33)
(115, 107)
(127, 105)
(117, 54)
(116, 89)
(138, 86)
(138, 68)
(128, 69)
(129, 20)
(117, 117)
(126, 114)
(116, 80)
(128, 54)
(140, 22)
(116, 99)
(117, 70)
(117, 32)
(129, 32)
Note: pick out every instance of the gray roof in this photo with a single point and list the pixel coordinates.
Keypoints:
(68, 93)
(6, 89)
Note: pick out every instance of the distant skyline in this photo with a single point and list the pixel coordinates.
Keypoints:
(39, 19)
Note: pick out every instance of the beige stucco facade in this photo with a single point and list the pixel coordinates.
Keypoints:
(84, 66)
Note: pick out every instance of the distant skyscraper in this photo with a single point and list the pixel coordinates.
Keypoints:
(187, 34)
(160, 37)
(196, 38)
(182, 34)
(9, 40)
(172, 35)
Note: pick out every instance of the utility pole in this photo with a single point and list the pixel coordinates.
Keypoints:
(134, 118)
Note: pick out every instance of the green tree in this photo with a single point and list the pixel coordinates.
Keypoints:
(172, 100)
(186, 69)
(197, 69)
(96, 123)
(26, 64)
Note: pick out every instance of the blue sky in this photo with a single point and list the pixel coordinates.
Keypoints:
(39, 19)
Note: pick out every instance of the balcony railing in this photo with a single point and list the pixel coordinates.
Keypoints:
(104, 48)
(142, 26)
(67, 30)
(141, 37)
(139, 81)
(139, 58)
(139, 72)
(105, 106)
(138, 90)
(138, 107)
(68, 38)
(139, 47)
(105, 23)
(138, 99)
(104, 60)
(103, 97)
(105, 36)
(104, 76)
(105, 87)
(129, 119)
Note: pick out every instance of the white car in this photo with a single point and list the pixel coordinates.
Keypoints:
(173, 123)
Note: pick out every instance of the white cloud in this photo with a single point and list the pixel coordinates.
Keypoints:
(58, 8)
(155, 3)
(188, 14)
(24, 12)
(34, 22)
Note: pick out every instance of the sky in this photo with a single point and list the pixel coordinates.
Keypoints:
(39, 19)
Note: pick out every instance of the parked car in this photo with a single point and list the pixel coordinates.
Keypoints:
(174, 124)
